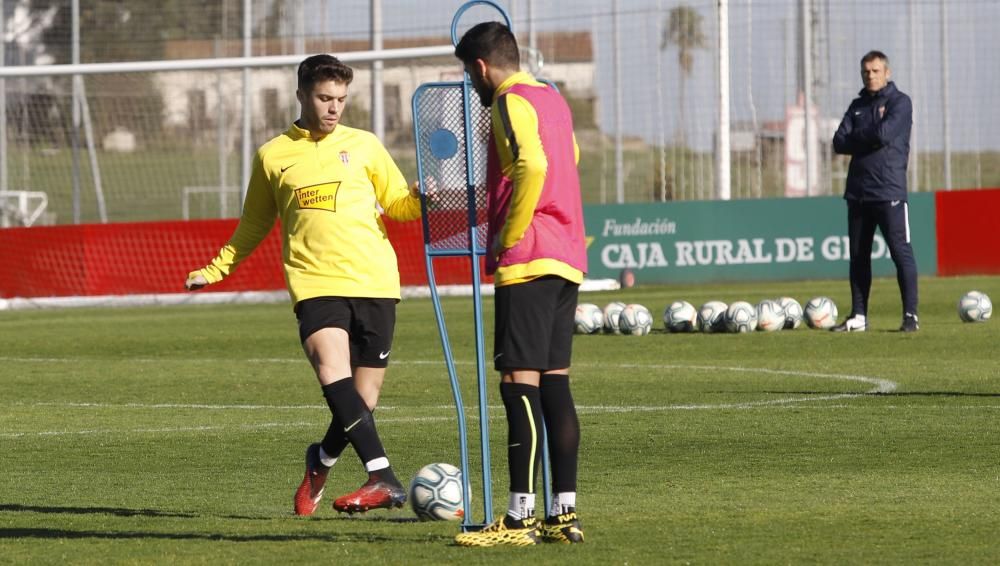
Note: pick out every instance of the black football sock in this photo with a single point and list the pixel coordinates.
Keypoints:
(524, 426)
(563, 429)
(358, 425)
(334, 441)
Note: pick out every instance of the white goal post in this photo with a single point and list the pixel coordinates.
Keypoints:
(254, 62)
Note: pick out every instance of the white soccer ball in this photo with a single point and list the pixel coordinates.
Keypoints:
(635, 320)
(770, 316)
(793, 312)
(589, 318)
(975, 306)
(436, 493)
(712, 316)
(741, 316)
(821, 312)
(680, 316)
(611, 313)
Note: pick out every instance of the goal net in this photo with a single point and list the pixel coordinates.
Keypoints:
(121, 182)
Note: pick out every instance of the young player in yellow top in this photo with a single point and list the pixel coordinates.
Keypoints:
(324, 182)
(324, 191)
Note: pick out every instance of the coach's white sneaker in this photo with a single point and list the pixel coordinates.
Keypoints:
(854, 323)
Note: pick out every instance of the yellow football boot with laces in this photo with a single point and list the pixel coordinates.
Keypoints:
(563, 528)
(502, 532)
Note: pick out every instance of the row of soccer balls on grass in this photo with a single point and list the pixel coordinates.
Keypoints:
(716, 316)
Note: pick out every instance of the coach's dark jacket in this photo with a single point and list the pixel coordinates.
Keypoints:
(875, 132)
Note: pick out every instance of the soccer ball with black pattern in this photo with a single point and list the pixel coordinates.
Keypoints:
(975, 306)
(770, 316)
(635, 320)
(680, 316)
(612, 311)
(793, 312)
(589, 318)
(436, 493)
(821, 312)
(741, 317)
(712, 316)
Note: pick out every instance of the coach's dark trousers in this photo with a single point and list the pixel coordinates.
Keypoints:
(892, 218)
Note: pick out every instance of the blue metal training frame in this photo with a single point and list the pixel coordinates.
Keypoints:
(447, 126)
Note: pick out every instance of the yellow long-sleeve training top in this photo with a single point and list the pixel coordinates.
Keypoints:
(324, 191)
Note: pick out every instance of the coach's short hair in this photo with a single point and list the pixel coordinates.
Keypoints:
(875, 54)
(492, 42)
(321, 68)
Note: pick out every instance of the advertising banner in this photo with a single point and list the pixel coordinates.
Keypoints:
(968, 242)
(768, 239)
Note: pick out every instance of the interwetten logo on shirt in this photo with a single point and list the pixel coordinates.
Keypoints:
(319, 197)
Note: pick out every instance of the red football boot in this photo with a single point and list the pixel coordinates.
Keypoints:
(375, 494)
(310, 491)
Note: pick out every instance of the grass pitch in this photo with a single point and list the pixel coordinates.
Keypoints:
(175, 435)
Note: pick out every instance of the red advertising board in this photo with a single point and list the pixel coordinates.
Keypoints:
(968, 234)
(155, 257)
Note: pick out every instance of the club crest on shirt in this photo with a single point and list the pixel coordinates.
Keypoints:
(318, 197)
(345, 157)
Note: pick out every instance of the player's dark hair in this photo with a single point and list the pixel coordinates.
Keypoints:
(322, 68)
(873, 55)
(492, 42)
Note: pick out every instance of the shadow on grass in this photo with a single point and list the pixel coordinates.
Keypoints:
(338, 517)
(40, 533)
(125, 512)
(117, 511)
(45, 533)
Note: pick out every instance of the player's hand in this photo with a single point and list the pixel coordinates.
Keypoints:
(430, 190)
(196, 282)
(497, 249)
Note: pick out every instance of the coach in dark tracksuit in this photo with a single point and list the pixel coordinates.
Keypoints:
(875, 132)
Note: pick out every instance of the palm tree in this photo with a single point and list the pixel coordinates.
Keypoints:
(683, 29)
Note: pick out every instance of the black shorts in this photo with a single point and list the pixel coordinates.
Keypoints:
(369, 324)
(534, 324)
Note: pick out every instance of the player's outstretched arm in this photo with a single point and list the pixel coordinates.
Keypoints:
(259, 213)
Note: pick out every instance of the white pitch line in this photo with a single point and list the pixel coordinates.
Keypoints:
(199, 406)
(471, 409)
(881, 386)
(148, 430)
(747, 405)
(591, 410)
(253, 427)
